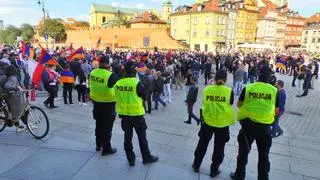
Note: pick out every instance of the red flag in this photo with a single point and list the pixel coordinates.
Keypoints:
(43, 59)
(75, 53)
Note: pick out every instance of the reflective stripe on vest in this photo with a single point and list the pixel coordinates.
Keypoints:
(99, 90)
(216, 108)
(128, 103)
(259, 103)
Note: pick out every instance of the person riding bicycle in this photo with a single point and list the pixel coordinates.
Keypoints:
(16, 100)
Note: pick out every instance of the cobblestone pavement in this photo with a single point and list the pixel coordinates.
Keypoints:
(68, 152)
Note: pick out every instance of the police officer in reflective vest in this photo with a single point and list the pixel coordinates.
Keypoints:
(103, 98)
(129, 105)
(218, 115)
(257, 104)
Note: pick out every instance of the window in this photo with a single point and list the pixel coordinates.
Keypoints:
(305, 40)
(314, 32)
(297, 37)
(248, 26)
(318, 40)
(218, 20)
(187, 32)
(174, 32)
(306, 33)
(222, 33)
(313, 40)
(187, 21)
(175, 21)
(222, 20)
(247, 36)
(218, 33)
(195, 33)
(207, 20)
(104, 19)
(238, 25)
(207, 33)
(195, 20)
(243, 25)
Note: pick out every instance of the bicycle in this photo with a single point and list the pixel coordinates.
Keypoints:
(33, 116)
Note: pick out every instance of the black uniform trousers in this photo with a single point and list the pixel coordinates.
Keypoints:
(249, 132)
(221, 137)
(104, 114)
(138, 123)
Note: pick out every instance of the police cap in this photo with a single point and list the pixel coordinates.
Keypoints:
(221, 74)
(130, 66)
(104, 60)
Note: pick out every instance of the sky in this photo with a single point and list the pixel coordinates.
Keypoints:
(16, 12)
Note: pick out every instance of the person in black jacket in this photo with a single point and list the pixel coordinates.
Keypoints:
(49, 79)
(158, 90)
(307, 81)
(148, 81)
(191, 99)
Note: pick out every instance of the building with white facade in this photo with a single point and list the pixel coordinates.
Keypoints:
(267, 24)
(311, 34)
(231, 24)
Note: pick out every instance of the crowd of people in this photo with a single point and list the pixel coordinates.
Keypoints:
(128, 82)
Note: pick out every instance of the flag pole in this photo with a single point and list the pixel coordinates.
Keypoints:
(52, 57)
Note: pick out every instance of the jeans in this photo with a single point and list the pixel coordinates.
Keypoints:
(237, 87)
(158, 99)
(67, 93)
(245, 78)
(167, 93)
(81, 89)
(275, 126)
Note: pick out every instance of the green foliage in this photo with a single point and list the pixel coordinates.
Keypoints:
(27, 32)
(55, 29)
(9, 34)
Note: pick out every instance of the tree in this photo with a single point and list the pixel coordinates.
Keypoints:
(9, 35)
(54, 28)
(27, 32)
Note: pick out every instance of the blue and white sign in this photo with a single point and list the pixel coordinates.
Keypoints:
(46, 36)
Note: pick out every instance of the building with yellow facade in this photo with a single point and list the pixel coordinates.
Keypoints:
(202, 26)
(246, 22)
(100, 14)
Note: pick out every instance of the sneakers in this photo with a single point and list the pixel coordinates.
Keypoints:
(132, 163)
(20, 129)
(187, 122)
(151, 159)
(84, 104)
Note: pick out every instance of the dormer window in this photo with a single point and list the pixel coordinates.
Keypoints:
(199, 8)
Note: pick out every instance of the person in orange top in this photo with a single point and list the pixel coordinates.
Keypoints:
(67, 79)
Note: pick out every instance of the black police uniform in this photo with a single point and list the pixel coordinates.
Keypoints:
(105, 114)
(251, 131)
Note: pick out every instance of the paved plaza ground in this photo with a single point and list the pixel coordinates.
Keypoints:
(68, 152)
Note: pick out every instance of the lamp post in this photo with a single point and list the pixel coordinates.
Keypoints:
(41, 3)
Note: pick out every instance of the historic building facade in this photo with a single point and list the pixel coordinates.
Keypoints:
(202, 26)
(294, 28)
(311, 34)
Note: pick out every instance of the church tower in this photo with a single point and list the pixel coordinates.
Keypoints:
(166, 10)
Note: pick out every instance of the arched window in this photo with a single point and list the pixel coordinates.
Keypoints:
(103, 19)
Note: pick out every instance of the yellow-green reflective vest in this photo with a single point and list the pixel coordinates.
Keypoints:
(99, 90)
(216, 108)
(128, 103)
(259, 103)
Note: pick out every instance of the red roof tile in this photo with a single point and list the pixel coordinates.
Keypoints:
(314, 18)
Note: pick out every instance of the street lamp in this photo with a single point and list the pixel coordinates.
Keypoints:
(41, 2)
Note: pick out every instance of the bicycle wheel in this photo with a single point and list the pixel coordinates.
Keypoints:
(3, 118)
(37, 122)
